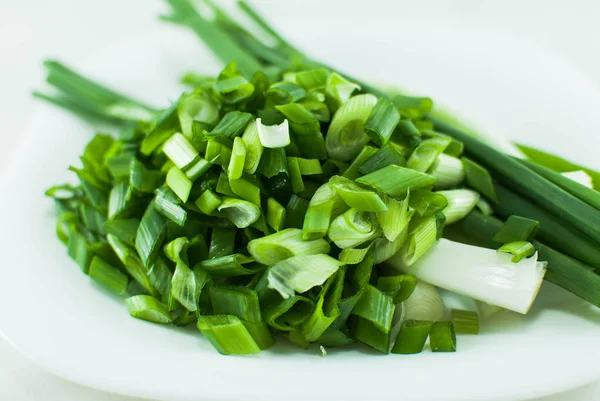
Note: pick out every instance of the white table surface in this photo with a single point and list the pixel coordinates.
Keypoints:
(31, 30)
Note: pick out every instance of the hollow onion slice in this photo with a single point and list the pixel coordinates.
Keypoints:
(284, 244)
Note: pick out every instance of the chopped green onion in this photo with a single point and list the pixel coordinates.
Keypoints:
(385, 249)
(396, 181)
(352, 256)
(300, 273)
(306, 129)
(384, 157)
(376, 307)
(312, 79)
(180, 151)
(235, 300)
(295, 175)
(442, 337)
(231, 265)
(273, 136)
(217, 153)
(240, 212)
(108, 275)
(413, 107)
(479, 179)
(428, 151)
(275, 214)
(246, 190)
(232, 125)
(295, 211)
(368, 333)
(382, 121)
(465, 322)
(517, 228)
(425, 202)
(150, 235)
(196, 107)
(231, 86)
(308, 166)
(326, 309)
(339, 88)
(353, 228)
(319, 213)
(222, 242)
(448, 170)
(285, 92)
(125, 230)
(148, 308)
(169, 205)
(356, 196)
(460, 203)
(425, 303)
(484, 207)
(284, 244)
(412, 337)
(119, 201)
(208, 202)
(346, 135)
(198, 168)
(179, 183)
(141, 179)
(422, 237)
(519, 250)
(365, 154)
(238, 158)
(223, 186)
(289, 313)
(254, 148)
(398, 287)
(131, 262)
(396, 218)
(227, 334)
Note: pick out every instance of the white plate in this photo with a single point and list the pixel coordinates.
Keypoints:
(67, 324)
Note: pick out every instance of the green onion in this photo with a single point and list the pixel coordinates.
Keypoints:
(300, 273)
(196, 107)
(398, 287)
(234, 300)
(396, 181)
(231, 86)
(295, 175)
(553, 230)
(222, 242)
(396, 218)
(284, 244)
(131, 262)
(275, 214)
(557, 163)
(425, 202)
(208, 202)
(308, 166)
(517, 228)
(428, 151)
(376, 307)
(448, 170)
(413, 107)
(465, 322)
(442, 337)
(422, 236)
(412, 337)
(519, 250)
(238, 158)
(254, 148)
(460, 203)
(353, 172)
(273, 136)
(424, 303)
(217, 153)
(148, 308)
(384, 157)
(125, 230)
(346, 135)
(289, 313)
(179, 183)
(326, 309)
(198, 168)
(588, 195)
(232, 125)
(141, 179)
(227, 334)
(351, 256)
(180, 151)
(339, 88)
(165, 126)
(484, 207)
(285, 92)
(295, 211)
(240, 212)
(385, 249)
(382, 121)
(356, 196)
(353, 228)
(108, 275)
(320, 211)
(479, 179)
(167, 204)
(150, 235)
(306, 129)
(246, 190)
(368, 333)
(230, 265)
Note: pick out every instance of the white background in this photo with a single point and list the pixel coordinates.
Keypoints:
(31, 30)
